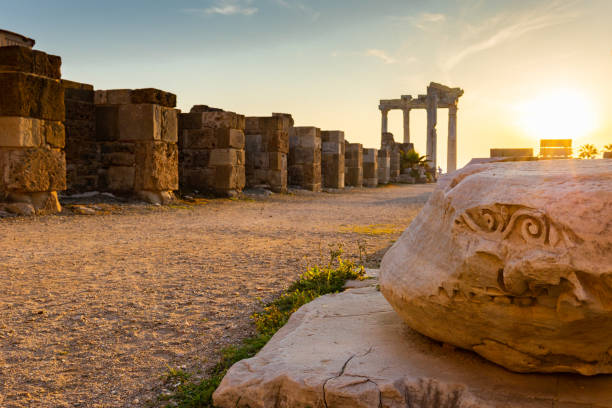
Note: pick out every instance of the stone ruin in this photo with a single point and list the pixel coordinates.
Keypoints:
(332, 158)
(370, 167)
(353, 164)
(384, 166)
(438, 96)
(131, 142)
(137, 131)
(510, 260)
(267, 146)
(395, 150)
(212, 157)
(32, 136)
(523, 267)
(304, 164)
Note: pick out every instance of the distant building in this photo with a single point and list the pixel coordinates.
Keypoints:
(556, 148)
(8, 38)
(607, 155)
(526, 152)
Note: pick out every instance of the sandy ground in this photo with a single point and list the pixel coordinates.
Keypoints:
(95, 309)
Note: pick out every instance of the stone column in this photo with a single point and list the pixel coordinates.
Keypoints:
(384, 126)
(451, 160)
(432, 121)
(406, 125)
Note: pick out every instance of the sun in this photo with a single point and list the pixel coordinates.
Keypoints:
(558, 114)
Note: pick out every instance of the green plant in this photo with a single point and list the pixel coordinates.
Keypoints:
(412, 160)
(587, 151)
(315, 282)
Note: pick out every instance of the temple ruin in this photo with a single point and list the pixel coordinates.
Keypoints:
(438, 96)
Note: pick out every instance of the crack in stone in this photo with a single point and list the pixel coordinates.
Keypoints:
(337, 376)
(341, 373)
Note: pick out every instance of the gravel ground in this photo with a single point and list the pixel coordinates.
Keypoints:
(95, 309)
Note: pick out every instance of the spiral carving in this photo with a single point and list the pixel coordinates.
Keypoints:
(505, 220)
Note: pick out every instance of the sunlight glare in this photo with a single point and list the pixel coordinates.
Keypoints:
(559, 114)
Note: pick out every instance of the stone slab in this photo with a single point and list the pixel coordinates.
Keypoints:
(23, 59)
(352, 350)
(17, 131)
(129, 96)
(31, 96)
(32, 170)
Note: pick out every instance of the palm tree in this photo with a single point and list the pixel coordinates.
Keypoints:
(412, 160)
(587, 151)
(608, 148)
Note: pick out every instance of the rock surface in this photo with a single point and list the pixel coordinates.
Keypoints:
(513, 261)
(353, 350)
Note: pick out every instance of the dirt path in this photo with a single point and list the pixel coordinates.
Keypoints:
(94, 309)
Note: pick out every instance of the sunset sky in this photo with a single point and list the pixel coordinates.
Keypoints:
(530, 69)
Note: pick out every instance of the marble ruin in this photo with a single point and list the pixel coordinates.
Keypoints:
(388, 144)
(212, 156)
(438, 96)
(267, 146)
(523, 267)
(304, 164)
(370, 167)
(353, 164)
(32, 136)
(332, 158)
(137, 130)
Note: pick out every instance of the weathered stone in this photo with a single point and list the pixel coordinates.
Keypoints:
(17, 131)
(332, 158)
(156, 166)
(199, 120)
(157, 197)
(20, 208)
(23, 59)
(351, 350)
(31, 96)
(145, 122)
(135, 96)
(120, 178)
(353, 162)
(384, 166)
(513, 260)
(32, 170)
(370, 167)
(304, 161)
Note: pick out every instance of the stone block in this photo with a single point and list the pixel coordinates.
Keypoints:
(222, 157)
(228, 177)
(332, 136)
(31, 96)
(277, 161)
(353, 176)
(370, 155)
(107, 123)
(23, 59)
(253, 143)
(119, 159)
(198, 158)
(198, 139)
(17, 131)
(147, 122)
(201, 179)
(120, 178)
(229, 138)
(156, 166)
(198, 120)
(278, 141)
(78, 92)
(135, 96)
(32, 170)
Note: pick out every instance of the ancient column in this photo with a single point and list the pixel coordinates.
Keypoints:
(451, 157)
(384, 126)
(432, 121)
(406, 125)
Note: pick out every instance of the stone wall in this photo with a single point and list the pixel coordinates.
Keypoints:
(304, 163)
(83, 152)
(32, 136)
(384, 166)
(212, 157)
(353, 162)
(370, 167)
(332, 158)
(137, 132)
(266, 148)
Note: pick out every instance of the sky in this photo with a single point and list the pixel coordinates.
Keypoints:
(530, 69)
